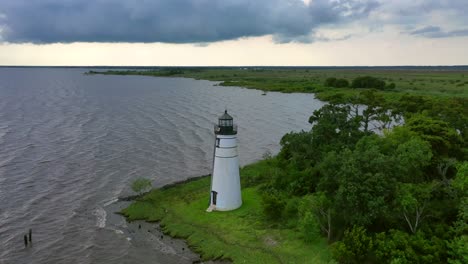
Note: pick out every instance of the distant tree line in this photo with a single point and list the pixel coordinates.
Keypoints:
(359, 82)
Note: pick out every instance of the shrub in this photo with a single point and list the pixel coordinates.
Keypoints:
(396, 246)
(140, 185)
(341, 83)
(309, 226)
(354, 248)
(390, 86)
(368, 82)
(273, 205)
(330, 82)
(336, 83)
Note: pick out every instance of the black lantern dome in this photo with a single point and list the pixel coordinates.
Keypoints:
(225, 125)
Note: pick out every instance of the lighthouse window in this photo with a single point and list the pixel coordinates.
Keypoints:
(224, 122)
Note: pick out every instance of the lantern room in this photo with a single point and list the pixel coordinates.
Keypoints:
(225, 125)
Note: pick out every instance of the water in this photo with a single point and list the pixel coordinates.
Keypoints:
(71, 143)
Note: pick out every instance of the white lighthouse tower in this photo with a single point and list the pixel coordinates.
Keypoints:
(225, 180)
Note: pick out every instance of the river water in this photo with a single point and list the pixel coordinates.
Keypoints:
(70, 144)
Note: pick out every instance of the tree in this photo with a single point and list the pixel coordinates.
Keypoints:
(376, 110)
(368, 82)
(408, 105)
(413, 200)
(445, 140)
(412, 155)
(396, 246)
(273, 204)
(334, 128)
(390, 86)
(365, 185)
(341, 83)
(458, 246)
(320, 206)
(355, 246)
(141, 185)
(310, 227)
(336, 83)
(330, 82)
(363, 181)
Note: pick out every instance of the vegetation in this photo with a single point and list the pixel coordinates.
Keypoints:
(336, 83)
(377, 194)
(383, 183)
(242, 236)
(141, 185)
(368, 82)
(425, 82)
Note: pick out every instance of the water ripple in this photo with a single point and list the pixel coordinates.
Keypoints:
(71, 143)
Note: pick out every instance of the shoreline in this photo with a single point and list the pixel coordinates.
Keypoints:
(238, 236)
(146, 235)
(242, 235)
(439, 85)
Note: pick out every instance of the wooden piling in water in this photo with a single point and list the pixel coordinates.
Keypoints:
(30, 235)
(25, 240)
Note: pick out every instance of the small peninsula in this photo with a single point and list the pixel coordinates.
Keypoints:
(384, 183)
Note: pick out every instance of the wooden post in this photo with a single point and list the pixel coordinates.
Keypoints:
(25, 240)
(30, 235)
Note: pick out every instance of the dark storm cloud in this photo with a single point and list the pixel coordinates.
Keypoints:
(437, 32)
(172, 21)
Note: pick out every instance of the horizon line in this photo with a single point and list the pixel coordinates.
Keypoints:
(230, 66)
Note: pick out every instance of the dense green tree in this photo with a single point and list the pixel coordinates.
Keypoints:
(458, 245)
(445, 140)
(273, 204)
(412, 154)
(366, 182)
(336, 83)
(330, 82)
(335, 127)
(320, 206)
(390, 86)
(391, 197)
(309, 227)
(411, 104)
(412, 202)
(376, 110)
(396, 246)
(355, 247)
(368, 82)
(341, 83)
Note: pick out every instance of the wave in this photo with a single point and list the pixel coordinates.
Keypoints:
(101, 216)
(70, 144)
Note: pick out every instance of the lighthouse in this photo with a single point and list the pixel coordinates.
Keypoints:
(225, 180)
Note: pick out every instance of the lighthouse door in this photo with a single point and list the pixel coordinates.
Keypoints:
(213, 197)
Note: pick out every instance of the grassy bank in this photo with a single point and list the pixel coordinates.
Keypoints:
(426, 82)
(242, 235)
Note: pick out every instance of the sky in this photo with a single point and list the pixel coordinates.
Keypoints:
(233, 32)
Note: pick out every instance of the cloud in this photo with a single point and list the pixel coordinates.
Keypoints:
(173, 21)
(425, 30)
(437, 32)
(205, 21)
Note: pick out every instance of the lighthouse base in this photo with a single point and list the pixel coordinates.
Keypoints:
(211, 208)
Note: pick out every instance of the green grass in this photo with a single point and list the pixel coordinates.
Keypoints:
(242, 235)
(426, 82)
